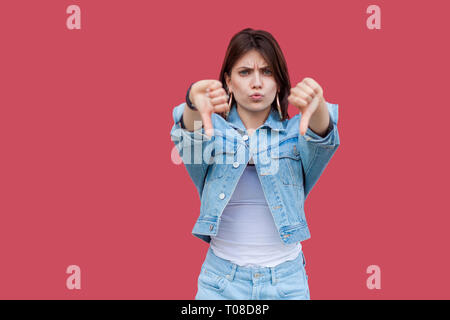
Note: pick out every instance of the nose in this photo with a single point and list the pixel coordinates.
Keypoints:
(256, 80)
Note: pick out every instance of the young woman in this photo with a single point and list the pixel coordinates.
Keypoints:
(253, 167)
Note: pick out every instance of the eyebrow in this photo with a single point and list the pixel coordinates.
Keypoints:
(250, 68)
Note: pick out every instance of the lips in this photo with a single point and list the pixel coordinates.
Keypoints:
(256, 96)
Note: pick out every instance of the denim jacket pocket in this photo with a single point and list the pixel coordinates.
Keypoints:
(289, 166)
(221, 162)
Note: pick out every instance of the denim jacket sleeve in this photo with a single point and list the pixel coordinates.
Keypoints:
(317, 151)
(192, 147)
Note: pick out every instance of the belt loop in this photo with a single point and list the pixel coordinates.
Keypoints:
(233, 272)
(274, 278)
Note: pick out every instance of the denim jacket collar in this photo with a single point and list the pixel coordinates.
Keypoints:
(272, 121)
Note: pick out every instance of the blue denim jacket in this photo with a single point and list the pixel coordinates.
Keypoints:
(288, 166)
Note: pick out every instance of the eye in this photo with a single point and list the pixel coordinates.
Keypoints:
(241, 72)
(267, 72)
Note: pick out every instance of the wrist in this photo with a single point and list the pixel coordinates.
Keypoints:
(189, 102)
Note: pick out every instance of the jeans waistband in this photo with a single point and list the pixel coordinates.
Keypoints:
(256, 274)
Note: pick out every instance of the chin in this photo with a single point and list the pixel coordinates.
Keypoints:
(256, 106)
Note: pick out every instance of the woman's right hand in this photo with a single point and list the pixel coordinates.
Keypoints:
(208, 96)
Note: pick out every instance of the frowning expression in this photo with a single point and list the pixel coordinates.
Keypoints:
(252, 82)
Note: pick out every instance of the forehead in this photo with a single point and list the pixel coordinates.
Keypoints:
(251, 59)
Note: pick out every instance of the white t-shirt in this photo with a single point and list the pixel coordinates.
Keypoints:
(247, 234)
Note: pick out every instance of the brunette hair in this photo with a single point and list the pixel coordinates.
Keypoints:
(262, 41)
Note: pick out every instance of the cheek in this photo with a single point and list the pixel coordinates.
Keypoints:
(239, 87)
(272, 89)
(272, 85)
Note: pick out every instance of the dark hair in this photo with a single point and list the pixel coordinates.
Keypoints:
(263, 42)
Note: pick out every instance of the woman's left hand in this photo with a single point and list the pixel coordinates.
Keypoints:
(307, 96)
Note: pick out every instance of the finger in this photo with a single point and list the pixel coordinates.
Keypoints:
(219, 100)
(302, 94)
(215, 84)
(207, 123)
(313, 85)
(297, 101)
(217, 93)
(306, 88)
(221, 108)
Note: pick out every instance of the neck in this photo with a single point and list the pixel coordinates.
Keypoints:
(253, 119)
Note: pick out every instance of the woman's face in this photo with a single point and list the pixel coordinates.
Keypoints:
(251, 75)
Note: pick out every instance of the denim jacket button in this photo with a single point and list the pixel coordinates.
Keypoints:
(236, 164)
(222, 196)
(211, 226)
(245, 137)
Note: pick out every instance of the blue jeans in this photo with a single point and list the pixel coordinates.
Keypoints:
(221, 279)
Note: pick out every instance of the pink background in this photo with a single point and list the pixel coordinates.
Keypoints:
(86, 176)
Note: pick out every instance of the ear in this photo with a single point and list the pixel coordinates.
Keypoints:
(228, 82)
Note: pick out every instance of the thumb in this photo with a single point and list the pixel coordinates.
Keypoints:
(304, 122)
(207, 123)
(307, 114)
